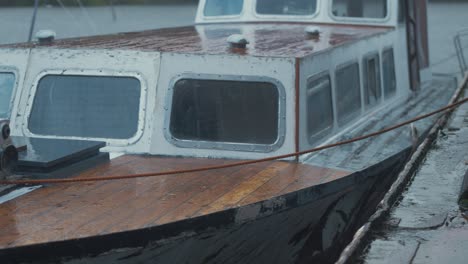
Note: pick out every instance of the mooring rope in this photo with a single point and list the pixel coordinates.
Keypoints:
(235, 164)
(397, 187)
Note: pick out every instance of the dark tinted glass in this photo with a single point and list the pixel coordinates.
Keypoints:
(223, 7)
(286, 7)
(388, 68)
(7, 84)
(372, 91)
(319, 107)
(348, 93)
(86, 106)
(225, 111)
(360, 8)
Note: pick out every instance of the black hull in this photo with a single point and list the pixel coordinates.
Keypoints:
(308, 226)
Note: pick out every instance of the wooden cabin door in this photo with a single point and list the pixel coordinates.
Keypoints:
(418, 47)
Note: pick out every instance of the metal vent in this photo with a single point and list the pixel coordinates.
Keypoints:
(313, 31)
(45, 36)
(238, 41)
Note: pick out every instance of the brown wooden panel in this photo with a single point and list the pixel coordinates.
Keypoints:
(60, 212)
(234, 196)
(268, 39)
(208, 195)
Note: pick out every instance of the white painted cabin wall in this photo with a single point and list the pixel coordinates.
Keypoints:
(15, 61)
(323, 15)
(330, 60)
(281, 69)
(141, 65)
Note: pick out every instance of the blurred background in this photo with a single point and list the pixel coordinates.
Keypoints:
(75, 18)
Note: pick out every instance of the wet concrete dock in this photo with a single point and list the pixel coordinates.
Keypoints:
(427, 225)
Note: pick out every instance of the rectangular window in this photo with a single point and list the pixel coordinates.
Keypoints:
(372, 88)
(348, 92)
(388, 70)
(86, 106)
(223, 7)
(225, 111)
(376, 9)
(287, 7)
(7, 84)
(319, 107)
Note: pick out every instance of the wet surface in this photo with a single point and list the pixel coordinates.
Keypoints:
(52, 152)
(266, 39)
(427, 225)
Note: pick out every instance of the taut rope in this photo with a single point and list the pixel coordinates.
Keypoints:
(237, 164)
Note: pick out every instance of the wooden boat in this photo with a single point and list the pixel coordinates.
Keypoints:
(252, 79)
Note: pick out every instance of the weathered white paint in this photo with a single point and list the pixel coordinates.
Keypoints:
(323, 15)
(141, 65)
(330, 60)
(15, 61)
(173, 65)
(17, 193)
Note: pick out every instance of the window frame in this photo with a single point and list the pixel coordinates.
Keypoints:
(226, 146)
(312, 139)
(346, 120)
(385, 95)
(94, 73)
(361, 19)
(15, 72)
(214, 18)
(365, 73)
(286, 17)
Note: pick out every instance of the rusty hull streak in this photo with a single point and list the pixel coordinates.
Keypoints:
(297, 104)
(267, 39)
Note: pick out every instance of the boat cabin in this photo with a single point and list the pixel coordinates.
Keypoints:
(307, 72)
(251, 79)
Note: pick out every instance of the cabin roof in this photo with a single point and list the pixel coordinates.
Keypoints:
(286, 40)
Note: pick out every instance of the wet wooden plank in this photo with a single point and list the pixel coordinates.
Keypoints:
(267, 39)
(277, 184)
(62, 194)
(234, 196)
(207, 196)
(59, 212)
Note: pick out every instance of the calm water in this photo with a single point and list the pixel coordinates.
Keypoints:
(445, 19)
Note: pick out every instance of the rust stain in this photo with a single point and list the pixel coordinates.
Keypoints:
(297, 106)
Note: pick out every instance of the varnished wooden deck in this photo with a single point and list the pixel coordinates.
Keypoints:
(267, 39)
(62, 212)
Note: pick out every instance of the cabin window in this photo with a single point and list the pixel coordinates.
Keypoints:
(223, 7)
(286, 7)
(225, 111)
(376, 9)
(348, 92)
(372, 88)
(319, 107)
(7, 84)
(86, 106)
(388, 69)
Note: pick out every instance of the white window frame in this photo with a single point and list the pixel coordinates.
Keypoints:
(363, 20)
(15, 72)
(95, 73)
